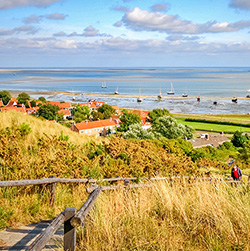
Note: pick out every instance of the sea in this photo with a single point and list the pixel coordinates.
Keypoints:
(215, 85)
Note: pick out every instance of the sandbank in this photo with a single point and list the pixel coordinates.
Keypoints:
(15, 93)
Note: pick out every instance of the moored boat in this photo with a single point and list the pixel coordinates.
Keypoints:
(139, 100)
(171, 92)
(116, 92)
(160, 95)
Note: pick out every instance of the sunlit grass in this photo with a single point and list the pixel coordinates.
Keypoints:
(170, 217)
(40, 127)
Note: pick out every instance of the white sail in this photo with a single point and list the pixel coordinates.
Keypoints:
(172, 89)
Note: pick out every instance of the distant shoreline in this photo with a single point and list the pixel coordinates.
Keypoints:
(16, 92)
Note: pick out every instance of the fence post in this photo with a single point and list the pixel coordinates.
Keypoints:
(69, 230)
(51, 187)
(126, 182)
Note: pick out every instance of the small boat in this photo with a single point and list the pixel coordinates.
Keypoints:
(159, 96)
(199, 98)
(73, 98)
(185, 94)
(104, 85)
(234, 99)
(171, 92)
(139, 100)
(116, 92)
(248, 95)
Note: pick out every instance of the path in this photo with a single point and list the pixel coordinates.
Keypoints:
(21, 238)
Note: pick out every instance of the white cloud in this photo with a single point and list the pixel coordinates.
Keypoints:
(240, 4)
(37, 19)
(9, 4)
(118, 24)
(138, 20)
(66, 44)
(56, 16)
(160, 7)
(89, 31)
(25, 29)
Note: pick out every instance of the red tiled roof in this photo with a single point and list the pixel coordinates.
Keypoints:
(13, 108)
(65, 111)
(93, 104)
(95, 124)
(12, 102)
(60, 105)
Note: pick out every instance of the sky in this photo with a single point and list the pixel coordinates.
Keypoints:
(124, 33)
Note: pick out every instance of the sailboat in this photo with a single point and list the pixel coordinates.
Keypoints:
(159, 96)
(234, 99)
(248, 95)
(171, 92)
(116, 92)
(185, 94)
(139, 100)
(104, 85)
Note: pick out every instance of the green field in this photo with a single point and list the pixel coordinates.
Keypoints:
(244, 119)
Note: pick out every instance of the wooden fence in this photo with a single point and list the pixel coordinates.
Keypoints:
(72, 219)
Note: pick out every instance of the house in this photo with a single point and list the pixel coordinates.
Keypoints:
(93, 104)
(96, 128)
(13, 108)
(1, 102)
(66, 113)
(144, 116)
(12, 103)
(61, 105)
(31, 110)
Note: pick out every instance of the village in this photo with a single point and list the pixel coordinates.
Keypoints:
(88, 127)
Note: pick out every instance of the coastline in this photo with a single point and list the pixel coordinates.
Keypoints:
(16, 92)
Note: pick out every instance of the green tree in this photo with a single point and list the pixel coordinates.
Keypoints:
(23, 98)
(42, 99)
(169, 128)
(80, 113)
(33, 103)
(128, 119)
(106, 110)
(238, 139)
(137, 132)
(5, 96)
(49, 112)
(157, 113)
(95, 115)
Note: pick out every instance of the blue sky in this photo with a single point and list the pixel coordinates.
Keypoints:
(124, 33)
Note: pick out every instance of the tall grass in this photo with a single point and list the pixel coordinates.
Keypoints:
(40, 127)
(170, 217)
(33, 205)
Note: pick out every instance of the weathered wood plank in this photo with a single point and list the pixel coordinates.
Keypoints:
(44, 237)
(84, 210)
(12, 183)
(52, 191)
(69, 231)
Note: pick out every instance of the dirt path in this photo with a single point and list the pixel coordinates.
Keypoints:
(21, 238)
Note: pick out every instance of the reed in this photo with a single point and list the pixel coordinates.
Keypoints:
(176, 216)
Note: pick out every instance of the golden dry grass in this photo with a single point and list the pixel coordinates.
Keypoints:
(40, 127)
(178, 217)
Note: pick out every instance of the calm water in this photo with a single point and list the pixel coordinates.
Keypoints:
(208, 82)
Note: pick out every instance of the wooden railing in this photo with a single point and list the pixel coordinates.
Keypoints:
(72, 219)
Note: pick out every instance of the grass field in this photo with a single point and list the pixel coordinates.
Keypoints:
(239, 118)
(244, 119)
